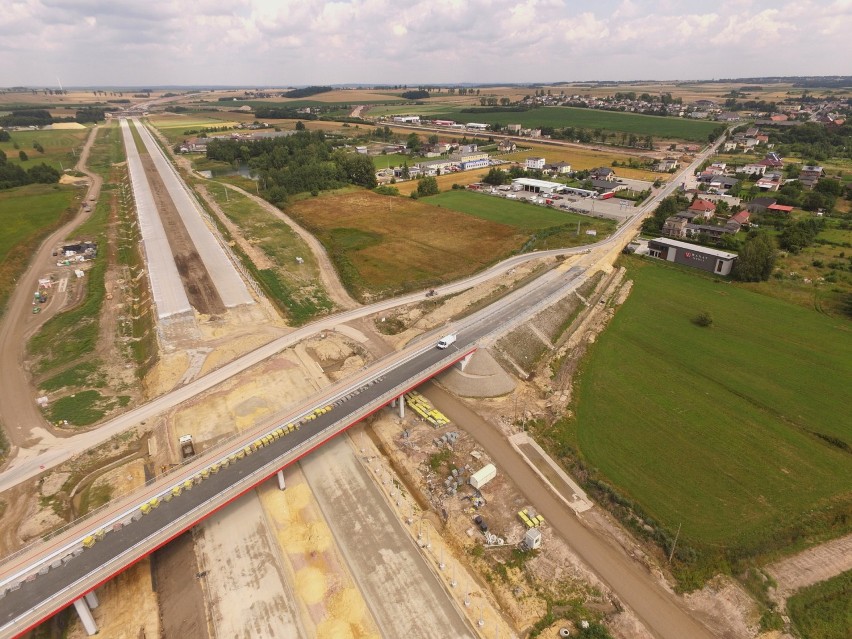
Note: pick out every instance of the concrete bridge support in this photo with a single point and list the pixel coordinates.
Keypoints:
(86, 617)
(462, 363)
(280, 476)
(92, 599)
(401, 401)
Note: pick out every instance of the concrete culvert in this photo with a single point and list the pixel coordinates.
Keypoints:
(563, 632)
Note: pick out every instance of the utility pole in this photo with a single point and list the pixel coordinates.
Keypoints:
(671, 554)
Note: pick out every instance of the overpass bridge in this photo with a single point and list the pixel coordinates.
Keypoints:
(46, 577)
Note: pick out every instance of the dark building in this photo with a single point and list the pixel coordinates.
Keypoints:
(701, 257)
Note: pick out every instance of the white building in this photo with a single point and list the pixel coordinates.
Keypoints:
(535, 163)
(407, 119)
(753, 169)
(536, 186)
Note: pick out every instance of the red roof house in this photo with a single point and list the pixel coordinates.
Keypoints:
(705, 208)
(742, 217)
(779, 208)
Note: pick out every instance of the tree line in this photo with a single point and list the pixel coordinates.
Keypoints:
(42, 117)
(12, 175)
(304, 162)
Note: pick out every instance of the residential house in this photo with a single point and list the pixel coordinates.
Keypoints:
(675, 226)
(772, 160)
(704, 208)
(810, 175)
(768, 184)
(602, 173)
(506, 146)
(742, 217)
(753, 169)
(514, 129)
(534, 163)
(558, 168)
(714, 232)
(666, 164)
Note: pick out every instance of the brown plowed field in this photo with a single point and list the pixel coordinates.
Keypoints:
(197, 282)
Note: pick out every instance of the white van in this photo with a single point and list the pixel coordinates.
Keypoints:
(446, 340)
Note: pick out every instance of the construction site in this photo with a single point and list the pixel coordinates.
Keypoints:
(436, 516)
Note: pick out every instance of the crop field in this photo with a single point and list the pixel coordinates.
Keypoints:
(382, 245)
(521, 215)
(736, 431)
(27, 214)
(446, 181)
(560, 117)
(174, 125)
(60, 147)
(824, 610)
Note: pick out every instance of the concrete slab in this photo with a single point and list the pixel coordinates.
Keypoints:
(403, 593)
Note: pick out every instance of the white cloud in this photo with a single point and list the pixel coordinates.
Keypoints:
(283, 42)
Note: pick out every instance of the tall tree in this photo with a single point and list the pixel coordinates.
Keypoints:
(756, 258)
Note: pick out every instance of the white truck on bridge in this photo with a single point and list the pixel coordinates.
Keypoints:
(446, 340)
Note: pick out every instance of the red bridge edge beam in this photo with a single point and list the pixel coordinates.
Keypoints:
(232, 499)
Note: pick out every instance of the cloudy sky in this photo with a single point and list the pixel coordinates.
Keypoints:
(291, 42)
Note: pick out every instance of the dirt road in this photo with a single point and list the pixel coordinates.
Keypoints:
(661, 613)
(336, 291)
(811, 566)
(18, 411)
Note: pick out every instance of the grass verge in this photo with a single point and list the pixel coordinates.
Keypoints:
(824, 610)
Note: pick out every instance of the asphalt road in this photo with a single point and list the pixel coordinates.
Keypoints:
(70, 576)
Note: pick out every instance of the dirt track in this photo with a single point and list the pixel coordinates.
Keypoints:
(18, 411)
(660, 611)
(197, 282)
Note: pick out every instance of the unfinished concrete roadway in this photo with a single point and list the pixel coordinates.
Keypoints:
(231, 287)
(662, 614)
(400, 589)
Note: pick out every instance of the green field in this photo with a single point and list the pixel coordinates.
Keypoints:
(60, 147)
(561, 117)
(736, 432)
(522, 215)
(295, 288)
(27, 214)
(824, 611)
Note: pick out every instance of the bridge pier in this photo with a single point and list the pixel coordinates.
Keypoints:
(401, 400)
(92, 599)
(86, 617)
(280, 476)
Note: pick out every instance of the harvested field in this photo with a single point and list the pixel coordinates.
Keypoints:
(199, 286)
(384, 245)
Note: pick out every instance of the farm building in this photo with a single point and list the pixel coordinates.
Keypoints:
(536, 186)
(407, 119)
(701, 257)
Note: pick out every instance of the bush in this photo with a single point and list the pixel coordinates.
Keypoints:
(703, 319)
